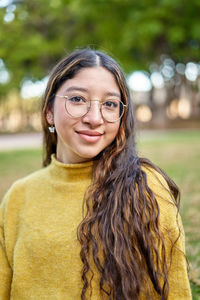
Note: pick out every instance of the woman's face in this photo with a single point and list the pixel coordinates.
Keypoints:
(81, 139)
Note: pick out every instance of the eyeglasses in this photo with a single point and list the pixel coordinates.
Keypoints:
(77, 106)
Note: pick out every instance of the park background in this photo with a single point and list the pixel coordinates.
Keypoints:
(157, 43)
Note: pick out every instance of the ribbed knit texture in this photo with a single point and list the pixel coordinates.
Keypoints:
(39, 251)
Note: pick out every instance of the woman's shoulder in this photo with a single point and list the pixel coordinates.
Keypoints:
(155, 178)
(33, 177)
(157, 183)
(19, 187)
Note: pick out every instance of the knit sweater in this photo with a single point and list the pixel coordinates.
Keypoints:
(39, 250)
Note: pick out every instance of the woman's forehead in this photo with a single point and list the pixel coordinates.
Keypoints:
(92, 79)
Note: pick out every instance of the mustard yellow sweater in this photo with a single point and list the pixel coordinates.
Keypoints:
(39, 251)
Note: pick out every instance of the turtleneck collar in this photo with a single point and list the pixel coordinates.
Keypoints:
(70, 172)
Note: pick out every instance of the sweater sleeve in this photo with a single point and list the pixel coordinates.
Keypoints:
(5, 269)
(172, 228)
(179, 287)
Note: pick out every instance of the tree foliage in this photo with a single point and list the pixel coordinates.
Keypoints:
(135, 32)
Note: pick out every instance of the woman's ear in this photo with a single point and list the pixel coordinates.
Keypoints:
(49, 117)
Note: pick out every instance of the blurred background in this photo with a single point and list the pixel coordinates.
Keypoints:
(157, 43)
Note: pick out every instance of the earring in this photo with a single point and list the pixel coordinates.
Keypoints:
(51, 129)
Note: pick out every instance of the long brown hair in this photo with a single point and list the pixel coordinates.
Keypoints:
(120, 230)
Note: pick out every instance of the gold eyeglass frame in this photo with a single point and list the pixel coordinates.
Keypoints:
(66, 97)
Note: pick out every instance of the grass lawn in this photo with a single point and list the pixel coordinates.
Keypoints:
(176, 152)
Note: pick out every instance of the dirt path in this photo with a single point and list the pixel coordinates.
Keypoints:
(20, 141)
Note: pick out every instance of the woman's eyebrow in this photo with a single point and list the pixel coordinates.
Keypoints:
(81, 89)
(113, 94)
(76, 88)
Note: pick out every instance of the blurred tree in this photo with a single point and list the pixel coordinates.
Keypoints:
(35, 34)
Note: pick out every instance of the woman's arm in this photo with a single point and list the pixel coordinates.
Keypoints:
(171, 226)
(179, 287)
(5, 269)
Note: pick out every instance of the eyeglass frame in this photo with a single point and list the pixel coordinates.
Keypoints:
(67, 98)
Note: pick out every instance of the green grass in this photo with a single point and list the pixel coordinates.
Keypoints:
(178, 153)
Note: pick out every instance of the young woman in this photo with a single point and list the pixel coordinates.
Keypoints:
(97, 222)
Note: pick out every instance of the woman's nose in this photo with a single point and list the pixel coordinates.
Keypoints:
(94, 116)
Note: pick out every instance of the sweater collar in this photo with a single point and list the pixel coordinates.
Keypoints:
(70, 172)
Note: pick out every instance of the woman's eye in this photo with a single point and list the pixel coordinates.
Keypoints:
(77, 99)
(111, 104)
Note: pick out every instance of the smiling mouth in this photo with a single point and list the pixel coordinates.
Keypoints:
(89, 136)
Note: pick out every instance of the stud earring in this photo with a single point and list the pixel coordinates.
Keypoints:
(51, 129)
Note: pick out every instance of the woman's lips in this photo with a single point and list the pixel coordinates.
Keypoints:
(89, 136)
